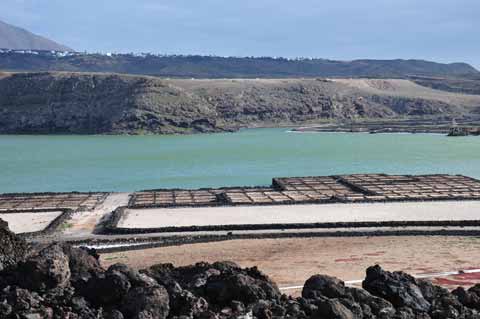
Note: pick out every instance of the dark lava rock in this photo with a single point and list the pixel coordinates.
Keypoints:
(370, 304)
(333, 308)
(49, 269)
(143, 303)
(12, 248)
(429, 291)
(399, 288)
(59, 281)
(19, 302)
(219, 283)
(468, 298)
(226, 288)
(321, 285)
(82, 260)
(107, 288)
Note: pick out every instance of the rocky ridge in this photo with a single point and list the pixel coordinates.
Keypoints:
(78, 103)
(197, 66)
(468, 86)
(58, 281)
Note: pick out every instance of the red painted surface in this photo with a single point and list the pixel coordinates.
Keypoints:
(473, 277)
(452, 282)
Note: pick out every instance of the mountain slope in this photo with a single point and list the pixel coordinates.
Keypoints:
(111, 103)
(231, 67)
(15, 38)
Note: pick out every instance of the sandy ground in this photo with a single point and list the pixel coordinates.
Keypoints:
(405, 211)
(29, 222)
(290, 262)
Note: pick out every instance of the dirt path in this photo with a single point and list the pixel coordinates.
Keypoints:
(84, 223)
(291, 261)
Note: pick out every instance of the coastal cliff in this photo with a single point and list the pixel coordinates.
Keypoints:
(89, 103)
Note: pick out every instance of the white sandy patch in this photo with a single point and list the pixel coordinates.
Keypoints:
(285, 214)
(29, 222)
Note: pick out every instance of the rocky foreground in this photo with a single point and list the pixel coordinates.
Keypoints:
(58, 281)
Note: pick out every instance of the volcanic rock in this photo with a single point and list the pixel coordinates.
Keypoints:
(12, 248)
(146, 302)
(59, 281)
(327, 286)
(49, 269)
(468, 298)
(399, 288)
(333, 308)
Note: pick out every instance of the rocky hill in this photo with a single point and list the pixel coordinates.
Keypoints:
(12, 37)
(467, 86)
(111, 103)
(59, 281)
(230, 67)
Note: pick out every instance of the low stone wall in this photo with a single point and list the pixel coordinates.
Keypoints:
(49, 193)
(140, 243)
(46, 200)
(357, 188)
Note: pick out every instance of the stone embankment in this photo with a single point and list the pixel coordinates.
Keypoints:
(465, 127)
(58, 281)
(464, 131)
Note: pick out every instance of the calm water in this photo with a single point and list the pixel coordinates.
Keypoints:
(249, 157)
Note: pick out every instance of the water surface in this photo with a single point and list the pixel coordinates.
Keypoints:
(249, 157)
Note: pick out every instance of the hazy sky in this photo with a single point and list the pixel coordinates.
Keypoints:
(439, 30)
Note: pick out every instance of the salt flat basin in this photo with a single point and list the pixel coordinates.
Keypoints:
(286, 214)
(29, 222)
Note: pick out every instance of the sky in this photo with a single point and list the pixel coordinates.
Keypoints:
(437, 30)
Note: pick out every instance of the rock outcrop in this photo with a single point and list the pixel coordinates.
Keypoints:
(58, 281)
(96, 104)
(68, 103)
(12, 248)
(467, 86)
(398, 288)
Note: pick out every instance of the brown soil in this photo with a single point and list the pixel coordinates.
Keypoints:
(291, 261)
